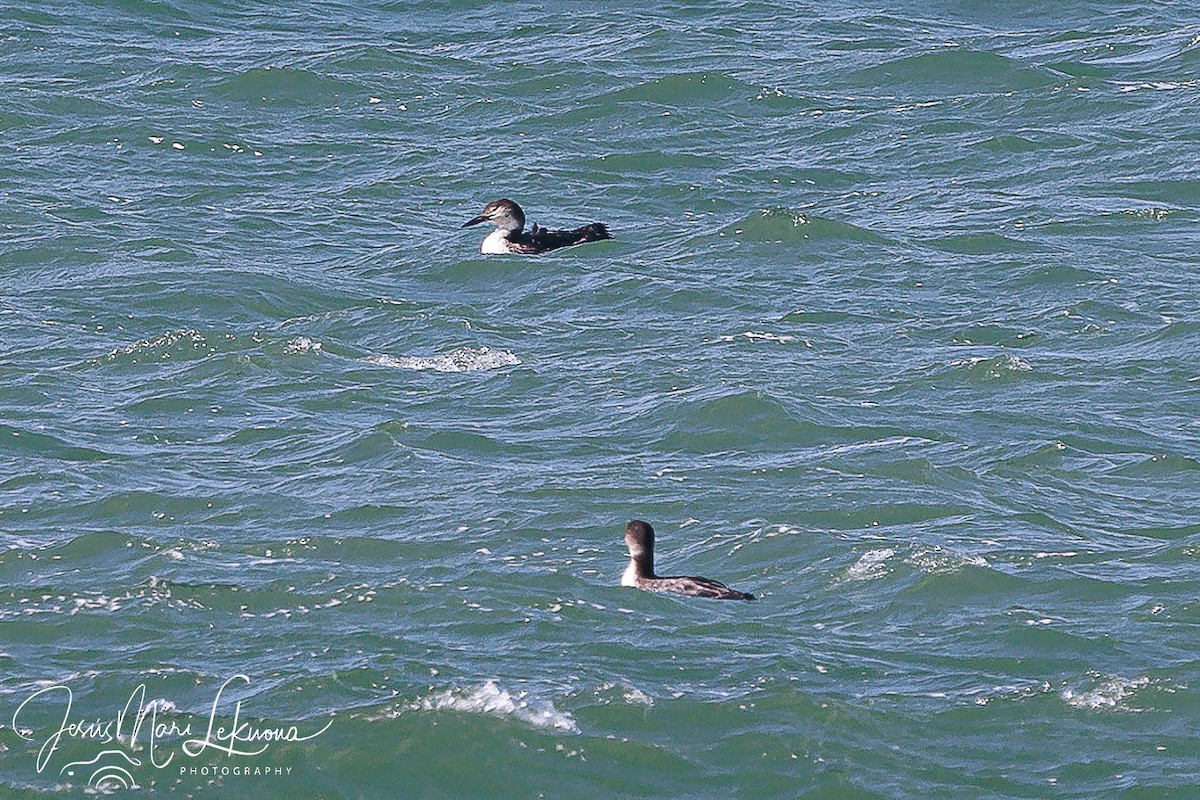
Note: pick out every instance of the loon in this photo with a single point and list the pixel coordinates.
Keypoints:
(639, 536)
(509, 237)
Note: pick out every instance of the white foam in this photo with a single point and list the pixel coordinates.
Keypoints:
(630, 695)
(491, 699)
(94, 602)
(464, 359)
(1108, 693)
(28, 687)
(301, 344)
(1158, 86)
(169, 339)
(1006, 362)
(994, 368)
(164, 705)
(938, 560)
(871, 565)
(778, 338)
(1017, 364)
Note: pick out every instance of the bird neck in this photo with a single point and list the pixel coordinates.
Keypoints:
(640, 567)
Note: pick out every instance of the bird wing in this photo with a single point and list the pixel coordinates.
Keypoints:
(700, 587)
(539, 240)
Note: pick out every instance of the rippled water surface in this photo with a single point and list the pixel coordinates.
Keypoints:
(898, 331)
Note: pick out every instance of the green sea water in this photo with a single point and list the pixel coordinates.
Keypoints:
(899, 331)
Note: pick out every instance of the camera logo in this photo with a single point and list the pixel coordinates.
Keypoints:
(105, 776)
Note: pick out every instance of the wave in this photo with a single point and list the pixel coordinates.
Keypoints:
(1125, 215)
(135, 505)
(954, 71)
(682, 89)
(995, 335)
(97, 544)
(980, 244)
(464, 359)
(752, 421)
(1172, 192)
(870, 565)
(995, 368)
(301, 344)
(1104, 692)
(29, 444)
(642, 162)
(490, 699)
(1158, 465)
(1010, 144)
(783, 226)
(1156, 62)
(923, 559)
(180, 344)
(882, 517)
(1178, 330)
(761, 336)
(288, 85)
(1058, 275)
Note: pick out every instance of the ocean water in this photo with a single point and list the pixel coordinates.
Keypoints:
(899, 331)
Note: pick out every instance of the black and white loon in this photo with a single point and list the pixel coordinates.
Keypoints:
(639, 536)
(509, 236)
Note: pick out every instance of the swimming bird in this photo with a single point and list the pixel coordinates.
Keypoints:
(509, 236)
(639, 537)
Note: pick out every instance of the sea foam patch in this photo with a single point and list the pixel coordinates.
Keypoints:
(871, 565)
(1104, 692)
(464, 359)
(937, 560)
(490, 698)
(301, 344)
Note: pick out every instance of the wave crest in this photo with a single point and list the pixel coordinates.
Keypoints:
(464, 359)
(495, 701)
(782, 225)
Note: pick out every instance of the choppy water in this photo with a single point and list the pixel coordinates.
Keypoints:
(899, 331)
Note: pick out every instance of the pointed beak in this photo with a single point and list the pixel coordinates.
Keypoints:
(475, 221)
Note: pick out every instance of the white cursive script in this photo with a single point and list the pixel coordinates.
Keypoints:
(237, 739)
(126, 726)
(242, 731)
